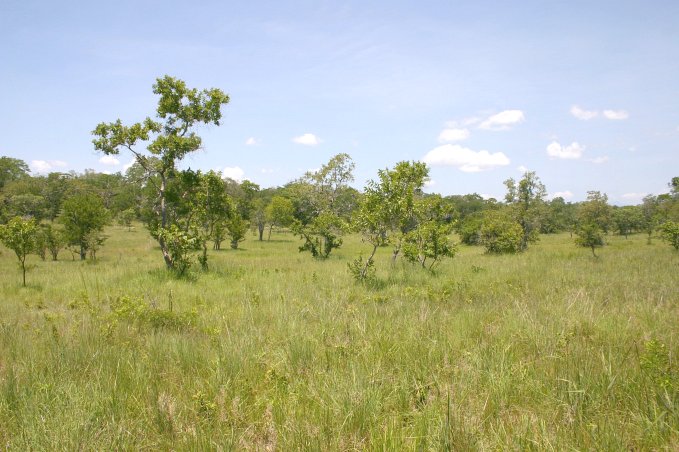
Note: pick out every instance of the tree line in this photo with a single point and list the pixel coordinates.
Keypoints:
(191, 212)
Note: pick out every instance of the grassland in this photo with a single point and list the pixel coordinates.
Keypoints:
(271, 350)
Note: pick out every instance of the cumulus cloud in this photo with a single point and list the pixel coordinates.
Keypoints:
(522, 169)
(109, 160)
(44, 166)
(252, 141)
(570, 152)
(453, 134)
(616, 114)
(585, 115)
(308, 139)
(561, 194)
(266, 170)
(503, 120)
(464, 159)
(233, 172)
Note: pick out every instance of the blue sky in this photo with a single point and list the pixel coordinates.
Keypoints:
(585, 93)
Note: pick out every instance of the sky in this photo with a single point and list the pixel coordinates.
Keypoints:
(584, 93)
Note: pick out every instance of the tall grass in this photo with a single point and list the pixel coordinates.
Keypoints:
(550, 349)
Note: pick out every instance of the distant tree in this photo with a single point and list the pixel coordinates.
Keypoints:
(590, 235)
(595, 210)
(501, 233)
(279, 213)
(670, 233)
(82, 216)
(594, 219)
(650, 216)
(54, 239)
(19, 236)
(236, 227)
(11, 169)
(170, 140)
(321, 225)
(126, 217)
(213, 207)
(526, 198)
(429, 242)
(469, 229)
(387, 213)
(627, 219)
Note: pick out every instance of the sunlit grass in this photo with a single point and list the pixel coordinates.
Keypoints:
(551, 349)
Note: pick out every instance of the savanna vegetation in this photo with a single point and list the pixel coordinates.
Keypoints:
(383, 318)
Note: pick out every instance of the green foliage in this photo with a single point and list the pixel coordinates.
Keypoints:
(589, 235)
(627, 219)
(138, 311)
(236, 228)
(279, 212)
(180, 245)
(595, 211)
(54, 239)
(670, 233)
(19, 235)
(11, 169)
(430, 239)
(469, 229)
(526, 199)
(170, 139)
(84, 217)
(500, 233)
(322, 235)
(126, 217)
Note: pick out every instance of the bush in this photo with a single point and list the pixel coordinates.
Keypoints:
(500, 234)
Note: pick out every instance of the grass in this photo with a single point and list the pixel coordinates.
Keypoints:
(551, 349)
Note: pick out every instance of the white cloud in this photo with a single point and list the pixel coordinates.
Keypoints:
(308, 139)
(597, 160)
(486, 196)
(616, 114)
(109, 160)
(561, 194)
(233, 172)
(44, 166)
(429, 183)
(503, 120)
(448, 135)
(585, 115)
(267, 170)
(128, 165)
(572, 151)
(522, 169)
(252, 141)
(464, 159)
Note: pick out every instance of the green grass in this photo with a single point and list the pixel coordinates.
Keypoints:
(551, 349)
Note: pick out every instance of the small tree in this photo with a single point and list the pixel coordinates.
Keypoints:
(526, 199)
(19, 236)
(500, 233)
(670, 233)
(430, 241)
(322, 235)
(279, 213)
(82, 216)
(236, 228)
(54, 239)
(126, 217)
(180, 245)
(590, 235)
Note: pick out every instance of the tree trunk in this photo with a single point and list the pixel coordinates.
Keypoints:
(163, 223)
(260, 227)
(270, 228)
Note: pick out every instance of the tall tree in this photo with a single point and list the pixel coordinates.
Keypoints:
(11, 169)
(171, 137)
(527, 200)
